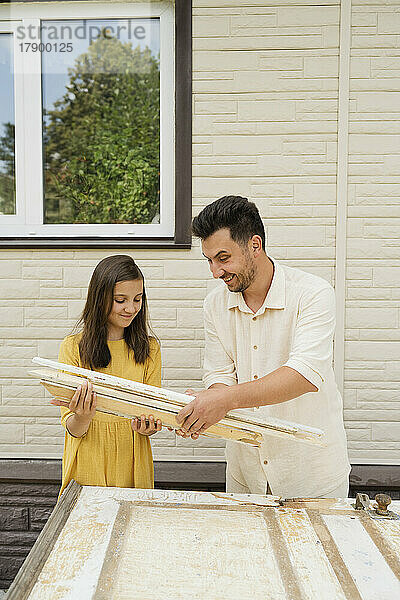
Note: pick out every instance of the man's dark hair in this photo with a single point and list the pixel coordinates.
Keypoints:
(235, 213)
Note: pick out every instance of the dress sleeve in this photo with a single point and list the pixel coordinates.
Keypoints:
(69, 352)
(69, 355)
(152, 374)
(218, 365)
(312, 347)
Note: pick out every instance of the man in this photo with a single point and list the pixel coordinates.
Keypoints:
(269, 332)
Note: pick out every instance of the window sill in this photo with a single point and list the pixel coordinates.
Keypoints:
(98, 242)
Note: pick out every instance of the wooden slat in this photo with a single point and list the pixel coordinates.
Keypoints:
(73, 567)
(60, 373)
(114, 405)
(342, 573)
(241, 508)
(178, 497)
(313, 570)
(30, 570)
(388, 550)
(288, 575)
(365, 563)
(110, 565)
(130, 403)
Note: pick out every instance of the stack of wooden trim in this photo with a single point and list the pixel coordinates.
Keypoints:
(130, 399)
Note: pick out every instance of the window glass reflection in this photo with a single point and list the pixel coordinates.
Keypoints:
(101, 121)
(7, 126)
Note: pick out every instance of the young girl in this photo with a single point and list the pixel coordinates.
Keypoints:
(102, 449)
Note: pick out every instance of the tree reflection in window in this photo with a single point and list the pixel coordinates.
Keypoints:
(102, 138)
(7, 126)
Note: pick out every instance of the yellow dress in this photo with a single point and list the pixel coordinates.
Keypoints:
(110, 453)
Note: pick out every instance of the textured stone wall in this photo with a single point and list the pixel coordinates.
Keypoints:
(265, 126)
(24, 510)
(373, 273)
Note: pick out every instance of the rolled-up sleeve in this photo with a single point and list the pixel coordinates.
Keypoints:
(218, 365)
(311, 351)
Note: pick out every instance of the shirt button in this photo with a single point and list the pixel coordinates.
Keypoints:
(255, 347)
(254, 318)
(265, 462)
(255, 376)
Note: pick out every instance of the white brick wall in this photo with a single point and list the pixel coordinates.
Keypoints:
(265, 98)
(373, 266)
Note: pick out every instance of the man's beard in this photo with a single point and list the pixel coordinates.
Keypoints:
(246, 277)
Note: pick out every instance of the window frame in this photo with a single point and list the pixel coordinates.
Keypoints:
(180, 161)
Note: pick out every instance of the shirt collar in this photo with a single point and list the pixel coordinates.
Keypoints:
(276, 297)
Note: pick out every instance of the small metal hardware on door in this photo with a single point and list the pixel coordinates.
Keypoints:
(383, 501)
(378, 510)
(362, 502)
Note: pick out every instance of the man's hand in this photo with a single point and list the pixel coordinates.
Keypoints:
(180, 432)
(208, 407)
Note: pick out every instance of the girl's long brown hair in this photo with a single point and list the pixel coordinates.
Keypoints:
(93, 348)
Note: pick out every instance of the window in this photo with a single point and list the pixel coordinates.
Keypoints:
(91, 104)
(7, 127)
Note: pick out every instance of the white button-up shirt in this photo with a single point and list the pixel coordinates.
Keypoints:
(294, 327)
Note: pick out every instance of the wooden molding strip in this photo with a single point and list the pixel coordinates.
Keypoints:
(130, 399)
(346, 581)
(106, 580)
(124, 408)
(388, 553)
(279, 545)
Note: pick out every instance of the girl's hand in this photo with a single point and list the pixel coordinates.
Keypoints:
(146, 426)
(83, 402)
(83, 405)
